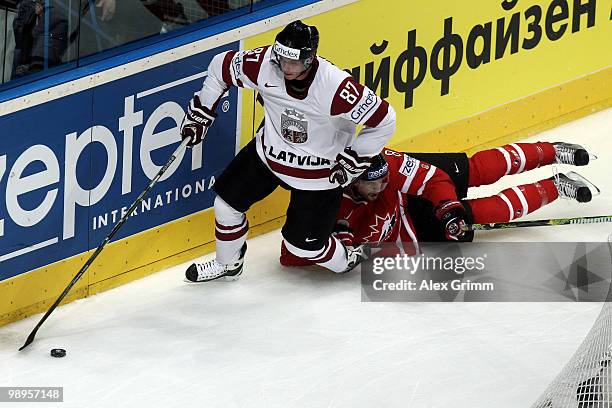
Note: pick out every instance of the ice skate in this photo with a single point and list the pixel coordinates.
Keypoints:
(574, 186)
(206, 271)
(574, 154)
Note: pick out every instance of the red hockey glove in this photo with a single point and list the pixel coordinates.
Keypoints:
(196, 122)
(349, 166)
(452, 216)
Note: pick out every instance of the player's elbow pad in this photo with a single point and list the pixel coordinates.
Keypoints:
(215, 68)
(390, 120)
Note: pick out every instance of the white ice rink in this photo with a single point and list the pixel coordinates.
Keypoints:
(283, 337)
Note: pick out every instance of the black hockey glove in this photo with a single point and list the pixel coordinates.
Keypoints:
(343, 232)
(452, 216)
(196, 122)
(349, 166)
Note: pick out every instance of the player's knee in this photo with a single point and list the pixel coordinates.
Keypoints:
(304, 240)
(225, 212)
(300, 249)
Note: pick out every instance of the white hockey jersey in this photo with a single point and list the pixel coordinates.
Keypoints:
(303, 133)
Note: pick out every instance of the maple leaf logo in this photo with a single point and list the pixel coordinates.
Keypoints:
(381, 228)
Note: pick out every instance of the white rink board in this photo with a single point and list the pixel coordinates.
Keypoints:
(284, 337)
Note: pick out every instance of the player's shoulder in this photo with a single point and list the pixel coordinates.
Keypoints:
(394, 158)
(342, 91)
(251, 62)
(328, 78)
(330, 73)
(400, 163)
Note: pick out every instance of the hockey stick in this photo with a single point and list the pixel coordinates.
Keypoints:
(120, 223)
(539, 223)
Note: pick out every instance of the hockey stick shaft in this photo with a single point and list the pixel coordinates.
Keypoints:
(540, 223)
(110, 236)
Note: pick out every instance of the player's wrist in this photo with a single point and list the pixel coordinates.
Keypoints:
(452, 215)
(349, 166)
(196, 122)
(450, 209)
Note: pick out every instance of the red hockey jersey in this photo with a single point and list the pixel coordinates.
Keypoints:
(386, 219)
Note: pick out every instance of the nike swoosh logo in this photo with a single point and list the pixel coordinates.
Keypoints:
(456, 168)
(310, 239)
(267, 85)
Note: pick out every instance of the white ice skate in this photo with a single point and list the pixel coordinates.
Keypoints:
(206, 271)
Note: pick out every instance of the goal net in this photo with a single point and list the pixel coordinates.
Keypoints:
(586, 380)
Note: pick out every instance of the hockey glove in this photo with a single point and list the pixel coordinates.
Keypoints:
(196, 122)
(343, 232)
(452, 216)
(349, 166)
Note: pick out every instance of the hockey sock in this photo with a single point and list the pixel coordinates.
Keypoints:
(513, 202)
(332, 256)
(488, 166)
(335, 257)
(289, 259)
(231, 227)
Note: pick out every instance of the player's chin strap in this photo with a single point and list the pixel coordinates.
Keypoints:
(539, 223)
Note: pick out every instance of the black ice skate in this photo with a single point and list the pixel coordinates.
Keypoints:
(211, 270)
(356, 256)
(574, 154)
(574, 186)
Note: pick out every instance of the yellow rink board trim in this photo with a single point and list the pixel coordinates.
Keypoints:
(128, 259)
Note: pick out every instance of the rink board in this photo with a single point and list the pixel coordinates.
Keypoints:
(502, 100)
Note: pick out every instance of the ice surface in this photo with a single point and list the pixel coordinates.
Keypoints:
(282, 337)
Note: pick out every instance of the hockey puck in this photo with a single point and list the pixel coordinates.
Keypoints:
(58, 353)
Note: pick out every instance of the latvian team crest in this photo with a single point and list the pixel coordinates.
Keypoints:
(294, 126)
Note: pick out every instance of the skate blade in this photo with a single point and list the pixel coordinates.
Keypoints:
(219, 279)
(229, 278)
(595, 191)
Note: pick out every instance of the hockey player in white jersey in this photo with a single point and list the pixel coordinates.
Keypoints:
(307, 145)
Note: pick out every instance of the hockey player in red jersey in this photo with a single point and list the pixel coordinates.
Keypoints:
(307, 145)
(405, 199)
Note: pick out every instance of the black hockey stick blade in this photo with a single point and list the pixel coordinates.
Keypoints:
(30, 339)
(99, 249)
